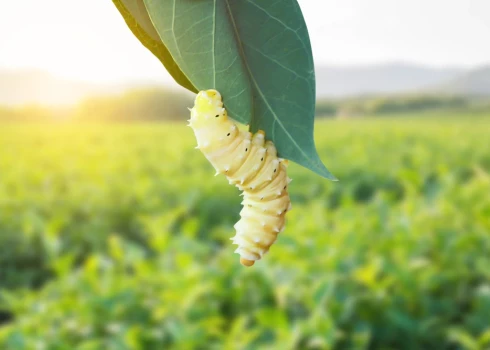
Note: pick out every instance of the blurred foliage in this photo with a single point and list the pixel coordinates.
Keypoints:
(152, 103)
(33, 114)
(400, 104)
(159, 104)
(117, 237)
(138, 104)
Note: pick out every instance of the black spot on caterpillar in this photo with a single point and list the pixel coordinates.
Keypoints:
(260, 174)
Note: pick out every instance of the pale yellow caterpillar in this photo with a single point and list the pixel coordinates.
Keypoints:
(250, 163)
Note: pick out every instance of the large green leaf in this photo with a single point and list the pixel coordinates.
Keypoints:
(258, 55)
(136, 17)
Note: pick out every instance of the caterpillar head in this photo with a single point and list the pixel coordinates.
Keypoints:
(208, 108)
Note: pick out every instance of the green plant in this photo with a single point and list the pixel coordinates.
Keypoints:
(104, 244)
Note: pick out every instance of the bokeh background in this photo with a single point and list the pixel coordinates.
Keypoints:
(114, 233)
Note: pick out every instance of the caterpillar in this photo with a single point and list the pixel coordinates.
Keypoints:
(249, 162)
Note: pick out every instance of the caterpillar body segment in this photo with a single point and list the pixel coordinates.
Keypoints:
(249, 162)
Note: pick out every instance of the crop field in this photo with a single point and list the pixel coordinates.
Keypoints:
(116, 236)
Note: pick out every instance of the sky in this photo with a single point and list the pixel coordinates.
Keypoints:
(88, 40)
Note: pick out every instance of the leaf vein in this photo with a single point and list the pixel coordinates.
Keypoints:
(278, 63)
(191, 27)
(173, 28)
(295, 31)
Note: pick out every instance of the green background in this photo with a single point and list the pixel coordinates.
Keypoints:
(117, 237)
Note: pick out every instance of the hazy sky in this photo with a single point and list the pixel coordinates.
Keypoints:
(88, 39)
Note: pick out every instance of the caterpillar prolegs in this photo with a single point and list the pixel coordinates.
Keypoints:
(250, 163)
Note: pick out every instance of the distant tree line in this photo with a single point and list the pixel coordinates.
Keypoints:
(145, 104)
(157, 104)
(391, 105)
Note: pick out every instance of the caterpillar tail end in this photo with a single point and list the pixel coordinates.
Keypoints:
(246, 262)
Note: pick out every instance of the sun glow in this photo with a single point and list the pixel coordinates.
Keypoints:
(83, 40)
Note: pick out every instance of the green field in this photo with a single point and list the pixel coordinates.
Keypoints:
(117, 237)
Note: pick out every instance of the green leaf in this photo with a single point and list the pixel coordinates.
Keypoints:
(463, 338)
(278, 56)
(136, 17)
(258, 55)
(200, 37)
